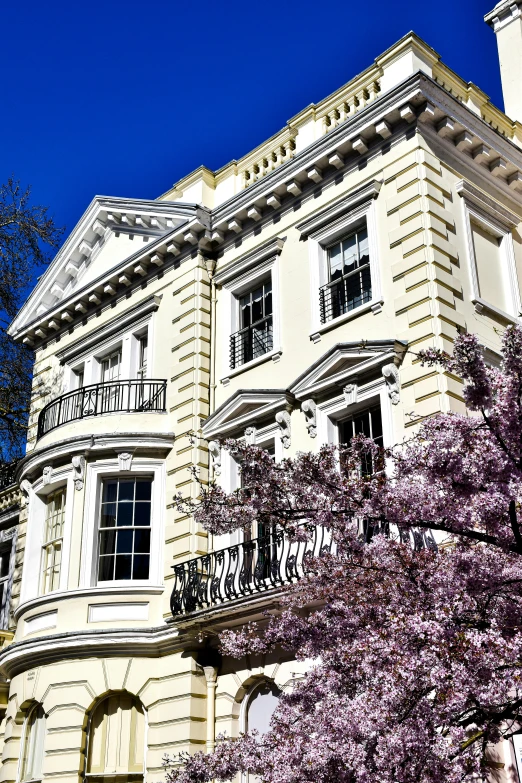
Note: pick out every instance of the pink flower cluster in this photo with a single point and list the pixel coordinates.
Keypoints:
(418, 652)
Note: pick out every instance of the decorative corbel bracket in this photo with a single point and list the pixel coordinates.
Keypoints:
(47, 475)
(124, 460)
(78, 464)
(26, 488)
(391, 376)
(215, 452)
(309, 409)
(284, 421)
(350, 393)
(250, 436)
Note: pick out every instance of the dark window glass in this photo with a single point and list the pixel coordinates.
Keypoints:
(124, 536)
(349, 278)
(367, 423)
(255, 335)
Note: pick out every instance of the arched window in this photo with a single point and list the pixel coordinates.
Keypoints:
(262, 701)
(117, 739)
(33, 745)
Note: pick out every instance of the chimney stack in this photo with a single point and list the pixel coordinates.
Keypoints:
(506, 21)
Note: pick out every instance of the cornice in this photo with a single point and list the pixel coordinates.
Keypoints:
(92, 446)
(220, 423)
(168, 250)
(355, 198)
(178, 634)
(248, 260)
(473, 195)
(419, 102)
(112, 327)
(153, 642)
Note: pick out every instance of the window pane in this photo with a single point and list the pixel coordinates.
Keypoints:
(108, 515)
(142, 514)
(4, 563)
(257, 304)
(126, 490)
(141, 567)
(107, 542)
(376, 426)
(142, 541)
(143, 489)
(110, 490)
(125, 514)
(106, 568)
(364, 252)
(124, 544)
(350, 254)
(268, 301)
(335, 254)
(123, 567)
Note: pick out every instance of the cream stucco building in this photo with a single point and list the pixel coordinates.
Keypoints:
(275, 300)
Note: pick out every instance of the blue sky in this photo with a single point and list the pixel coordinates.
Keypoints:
(124, 98)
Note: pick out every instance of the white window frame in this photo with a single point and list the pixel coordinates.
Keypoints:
(31, 576)
(331, 412)
(230, 294)
(96, 473)
(127, 342)
(319, 243)
(500, 222)
(30, 713)
(8, 538)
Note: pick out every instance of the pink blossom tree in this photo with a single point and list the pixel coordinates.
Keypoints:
(417, 649)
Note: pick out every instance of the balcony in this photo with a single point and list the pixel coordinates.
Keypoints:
(344, 294)
(99, 399)
(251, 342)
(243, 570)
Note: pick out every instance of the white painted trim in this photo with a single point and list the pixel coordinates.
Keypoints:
(496, 223)
(116, 326)
(240, 265)
(318, 244)
(32, 571)
(110, 467)
(41, 622)
(91, 592)
(334, 410)
(124, 340)
(67, 532)
(274, 355)
(229, 302)
(104, 613)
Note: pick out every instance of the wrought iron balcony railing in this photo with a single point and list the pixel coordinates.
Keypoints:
(243, 570)
(344, 294)
(251, 342)
(101, 398)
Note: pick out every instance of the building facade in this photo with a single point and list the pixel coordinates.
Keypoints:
(280, 299)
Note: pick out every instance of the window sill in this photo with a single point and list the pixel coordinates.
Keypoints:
(274, 355)
(375, 306)
(483, 307)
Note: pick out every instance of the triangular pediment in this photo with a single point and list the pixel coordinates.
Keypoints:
(110, 231)
(343, 362)
(244, 408)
